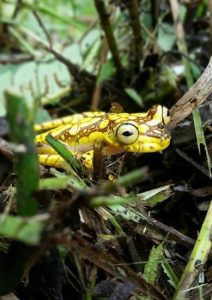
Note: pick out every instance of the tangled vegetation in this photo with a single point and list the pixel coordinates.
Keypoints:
(136, 226)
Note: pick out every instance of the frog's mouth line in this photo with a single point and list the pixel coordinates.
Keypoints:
(155, 146)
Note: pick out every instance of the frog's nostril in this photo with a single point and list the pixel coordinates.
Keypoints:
(161, 126)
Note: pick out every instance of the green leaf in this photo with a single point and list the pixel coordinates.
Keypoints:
(133, 177)
(27, 230)
(166, 37)
(196, 71)
(135, 96)
(26, 164)
(126, 212)
(200, 136)
(198, 258)
(63, 152)
(60, 182)
(68, 157)
(151, 269)
(110, 200)
(106, 72)
(40, 82)
(54, 183)
(173, 280)
(155, 196)
(41, 116)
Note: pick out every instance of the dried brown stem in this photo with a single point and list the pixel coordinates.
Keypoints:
(155, 9)
(178, 24)
(97, 91)
(210, 21)
(197, 94)
(136, 29)
(107, 28)
(194, 163)
(15, 58)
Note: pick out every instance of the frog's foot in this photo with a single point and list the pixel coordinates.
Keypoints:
(85, 159)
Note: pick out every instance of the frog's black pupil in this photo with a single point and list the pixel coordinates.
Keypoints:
(127, 133)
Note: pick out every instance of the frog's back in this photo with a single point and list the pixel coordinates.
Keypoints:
(72, 119)
(77, 125)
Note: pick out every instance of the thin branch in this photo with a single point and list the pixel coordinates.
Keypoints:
(193, 162)
(106, 26)
(136, 29)
(79, 75)
(40, 22)
(155, 9)
(15, 58)
(97, 91)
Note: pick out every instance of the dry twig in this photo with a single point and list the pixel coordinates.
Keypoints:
(197, 94)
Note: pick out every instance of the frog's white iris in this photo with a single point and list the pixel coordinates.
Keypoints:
(165, 115)
(127, 133)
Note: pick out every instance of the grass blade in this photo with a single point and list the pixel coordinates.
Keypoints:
(26, 162)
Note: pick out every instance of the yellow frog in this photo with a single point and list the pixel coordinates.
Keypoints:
(117, 133)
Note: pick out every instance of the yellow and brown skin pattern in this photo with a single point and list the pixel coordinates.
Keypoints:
(117, 133)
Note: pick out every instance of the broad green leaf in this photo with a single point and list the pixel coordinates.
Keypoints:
(135, 96)
(166, 37)
(151, 269)
(107, 71)
(27, 230)
(200, 136)
(155, 196)
(173, 280)
(41, 116)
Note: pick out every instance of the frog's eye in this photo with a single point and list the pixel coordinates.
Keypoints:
(127, 133)
(165, 115)
(159, 113)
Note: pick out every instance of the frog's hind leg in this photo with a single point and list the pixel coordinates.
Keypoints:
(49, 157)
(44, 149)
(52, 160)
